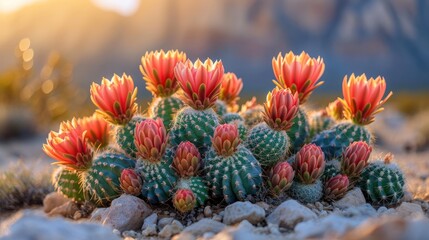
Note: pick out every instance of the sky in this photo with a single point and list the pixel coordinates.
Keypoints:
(124, 7)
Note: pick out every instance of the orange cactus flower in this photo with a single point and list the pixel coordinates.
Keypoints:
(300, 73)
(281, 108)
(231, 88)
(69, 148)
(150, 138)
(363, 98)
(187, 159)
(184, 200)
(335, 109)
(115, 99)
(200, 82)
(226, 139)
(158, 71)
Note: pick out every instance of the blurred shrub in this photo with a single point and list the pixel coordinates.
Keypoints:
(16, 122)
(48, 93)
(21, 186)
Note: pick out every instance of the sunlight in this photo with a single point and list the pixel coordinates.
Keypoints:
(13, 5)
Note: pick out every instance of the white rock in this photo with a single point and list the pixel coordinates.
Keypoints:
(150, 230)
(245, 230)
(203, 226)
(125, 213)
(365, 210)
(351, 199)
(290, 213)
(27, 224)
(151, 220)
(333, 225)
(164, 222)
(208, 212)
(407, 209)
(53, 200)
(240, 211)
(171, 229)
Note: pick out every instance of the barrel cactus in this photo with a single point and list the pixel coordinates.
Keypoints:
(67, 182)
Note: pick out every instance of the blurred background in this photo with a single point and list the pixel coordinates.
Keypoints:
(51, 51)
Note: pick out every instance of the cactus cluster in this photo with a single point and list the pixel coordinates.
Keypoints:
(194, 144)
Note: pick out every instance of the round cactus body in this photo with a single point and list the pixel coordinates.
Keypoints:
(125, 136)
(318, 122)
(220, 108)
(382, 184)
(102, 178)
(230, 117)
(333, 141)
(195, 126)
(299, 131)
(68, 183)
(267, 145)
(166, 108)
(253, 116)
(233, 177)
(306, 193)
(198, 187)
(159, 178)
(332, 169)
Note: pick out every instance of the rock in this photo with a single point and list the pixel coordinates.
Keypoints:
(171, 229)
(68, 209)
(263, 205)
(407, 209)
(53, 200)
(164, 222)
(131, 234)
(290, 213)
(151, 220)
(150, 230)
(240, 211)
(208, 212)
(217, 218)
(365, 210)
(27, 224)
(125, 213)
(393, 228)
(116, 232)
(351, 199)
(185, 236)
(245, 230)
(328, 226)
(204, 225)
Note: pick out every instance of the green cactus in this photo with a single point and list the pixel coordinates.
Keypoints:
(230, 117)
(125, 136)
(267, 144)
(220, 108)
(334, 140)
(332, 169)
(101, 180)
(166, 108)
(299, 131)
(306, 193)
(253, 116)
(319, 121)
(198, 186)
(382, 183)
(68, 183)
(159, 178)
(233, 177)
(196, 126)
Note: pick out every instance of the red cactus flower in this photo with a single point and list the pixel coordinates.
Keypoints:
(230, 89)
(97, 130)
(280, 178)
(300, 73)
(115, 99)
(355, 158)
(187, 159)
(335, 109)
(200, 82)
(69, 148)
(251, 104)
(363, 98)
(336, 187)
(184, 200)
(131, 182)
(226, 139)
(158, 71)
(281, 108)
(309, 163)
(150, 138)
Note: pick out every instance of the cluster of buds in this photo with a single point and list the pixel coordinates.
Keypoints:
(309, 163)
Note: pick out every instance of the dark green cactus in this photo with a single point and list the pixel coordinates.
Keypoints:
(68, 183)
(230, 117)
(125, 136)
(195, 126)
(382, 183)
(220, 108)
(267, 144)
(101, 180)
(198, 186)
(166, 108)
(332, 169)
(299, 131)
(253, 116)
(319, 121)
(233, 177)
(306, 193)
(333, 141)
(159, 178)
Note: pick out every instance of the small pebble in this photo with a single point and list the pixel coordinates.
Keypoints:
(208, 211)
(116, 232)
(200, 216)
(319, 206)
(208, 235)
(217, 218)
